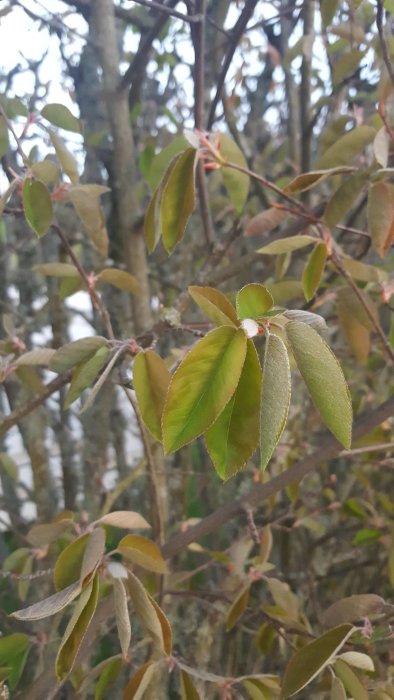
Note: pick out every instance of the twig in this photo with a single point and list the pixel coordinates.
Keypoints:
(337, 262)
(198, 37)
(169, 11)
(386, 55)
(96, 299)
(368, 448)
(15, 135)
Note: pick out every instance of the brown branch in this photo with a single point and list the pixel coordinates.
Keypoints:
(20, 413)
(236, 35)
(328, 450)
(383, 43)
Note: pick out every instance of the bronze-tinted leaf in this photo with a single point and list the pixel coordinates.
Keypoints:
(120, 279)
(137, 685)
(351, 609)
(143, 552)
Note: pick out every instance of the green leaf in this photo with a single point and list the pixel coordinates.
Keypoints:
(351, 609)
(76, 629)
(347, 298)
(351, 682)
(150, 615)
(358, 660)
(215, 305)
(92, 555)
(253, 301)
(37, 206)
(143, 552)
(69, 563)
(49, 606)
(178, 198)
(59, 115)
(306, 181)
(380, 214)
(122, 616)
(74, 353)
(4, 140)
(85, 199)
(14, 649)
(162, 160)
(47, 171)
(152, 223)
(120, 279)
(314, 270)
(287, 245)
(237, 183)
(347, 147)
(188, 691)
(311, 659)
(338, 691)
(347, 64)
(381, 147)
(9, 465)
(57, 270)
(34, 358)
(151, 380)
(84, 374)
(343, 199)
(363, 272)
(107, 678)
(328, 9)
(124, 519)
(324, 378)
(66, 159)
(238, 607)
(275, 396)
(234, 436)
(202, 386)
(139, 682)
(317, 322)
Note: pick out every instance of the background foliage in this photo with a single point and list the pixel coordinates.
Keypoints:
(212, 194)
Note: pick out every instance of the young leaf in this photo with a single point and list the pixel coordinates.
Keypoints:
(351, 682)
(137, 685)
(202, 386)
(215, 305)
(311, 659)
(49, 606)
(37, 206)
(324, 378)
(275, 396)
(74, 353)
(120, 279)
(253, 301)
(122, 616)
(84, 374)
(178, 199)
(234, 436)
(347, 147)
(380, 214)
(151, 380)
(287, 245)
(59, 115)
(237, 183)
(143, 552)
(124, 519)
(314, 270)
(47, 171)
(76, 629)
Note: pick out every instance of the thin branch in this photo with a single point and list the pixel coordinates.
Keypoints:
(96, 299)
(383, 43)
(236, 34)
(368, 448)
(328, 450)
(20, 413)
(169, 11)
